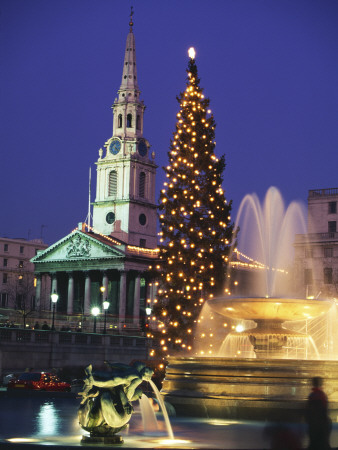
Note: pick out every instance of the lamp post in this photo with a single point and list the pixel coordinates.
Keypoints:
(54, 298)
(106, 305)
(148, 312)
(95, 312)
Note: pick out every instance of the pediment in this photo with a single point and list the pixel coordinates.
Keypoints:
(79, 246)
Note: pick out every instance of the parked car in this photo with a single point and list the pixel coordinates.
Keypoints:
(7, 378)
(39, 381)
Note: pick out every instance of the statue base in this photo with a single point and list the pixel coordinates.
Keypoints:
(112, 440)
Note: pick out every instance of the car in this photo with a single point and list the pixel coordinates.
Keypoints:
(7, 378)
(38, 381)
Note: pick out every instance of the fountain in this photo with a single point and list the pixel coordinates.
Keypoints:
(106, 407)
(269, 384)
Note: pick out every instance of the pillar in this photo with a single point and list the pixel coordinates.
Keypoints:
(54, 288)
(70, 299)
(123, 294)
(105, 285)
(38, 291)
(87, 294)
(136, 312)
(54, 283)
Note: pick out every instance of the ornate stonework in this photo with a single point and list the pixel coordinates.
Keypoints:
(78, 248)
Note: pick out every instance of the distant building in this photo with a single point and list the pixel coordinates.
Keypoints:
(316, 254)
(110, 261)
(17, 286)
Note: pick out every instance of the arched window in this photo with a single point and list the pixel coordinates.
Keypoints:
(142, 184)
(112, 189)
(129, 120)
(119, 121)
(138, 122)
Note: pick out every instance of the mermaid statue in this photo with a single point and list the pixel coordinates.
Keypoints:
(106, 405)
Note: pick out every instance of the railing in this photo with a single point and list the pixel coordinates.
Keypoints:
(16, 335)
(323, 192)
(310, 237)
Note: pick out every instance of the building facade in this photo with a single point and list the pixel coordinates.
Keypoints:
(316, 253)
(17, 281)
(110, 261)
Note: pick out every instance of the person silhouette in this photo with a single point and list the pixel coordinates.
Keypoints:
(317, 418)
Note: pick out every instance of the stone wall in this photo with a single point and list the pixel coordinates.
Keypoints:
(46, 350)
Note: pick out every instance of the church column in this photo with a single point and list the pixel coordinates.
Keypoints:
(123, 294)
(70, 299)
(38, 291)
(136, 312)
(105, 285)
(54, 283)
(87, 294)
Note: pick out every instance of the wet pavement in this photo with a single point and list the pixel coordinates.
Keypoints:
(51, 419)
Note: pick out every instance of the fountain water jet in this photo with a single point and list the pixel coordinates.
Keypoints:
(269, 385)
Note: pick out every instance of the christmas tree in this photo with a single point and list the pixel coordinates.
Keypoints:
(195, 223)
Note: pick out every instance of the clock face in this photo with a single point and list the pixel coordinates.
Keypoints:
(115, 146)
(142, 147)
(110, 217)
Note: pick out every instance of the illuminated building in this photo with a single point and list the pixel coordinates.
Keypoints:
(17, 287)
(116, 252)
(316, 253)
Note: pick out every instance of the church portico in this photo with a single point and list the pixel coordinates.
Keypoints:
(87, 269)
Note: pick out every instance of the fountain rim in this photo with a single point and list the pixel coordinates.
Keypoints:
(269, 309)
(268, 298)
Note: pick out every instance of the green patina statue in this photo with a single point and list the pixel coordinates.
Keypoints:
(106, 407)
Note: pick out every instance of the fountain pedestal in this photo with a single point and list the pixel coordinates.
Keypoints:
(107, 440)
(269, 338)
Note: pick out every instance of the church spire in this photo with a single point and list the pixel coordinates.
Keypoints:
(129, 74)
(131, 23)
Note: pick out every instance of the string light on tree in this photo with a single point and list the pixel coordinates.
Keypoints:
(195, 223)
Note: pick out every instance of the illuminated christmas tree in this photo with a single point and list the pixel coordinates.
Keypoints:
(195, 223)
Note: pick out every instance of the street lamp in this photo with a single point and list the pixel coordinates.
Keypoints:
(105, 308)
(95, 312)
(54, 298)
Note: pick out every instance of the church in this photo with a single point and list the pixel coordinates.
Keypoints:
(109, 261)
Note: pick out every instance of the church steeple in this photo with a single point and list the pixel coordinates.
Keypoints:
(129, 74)
(125, 193)
(128, 108)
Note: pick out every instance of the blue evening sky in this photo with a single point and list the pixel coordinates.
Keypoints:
(269, 67)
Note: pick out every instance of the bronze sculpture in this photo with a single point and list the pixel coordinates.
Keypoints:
(106, 407)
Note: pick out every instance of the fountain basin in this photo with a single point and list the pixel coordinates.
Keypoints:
(269, 338)
(250, 389)
(270, 309)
